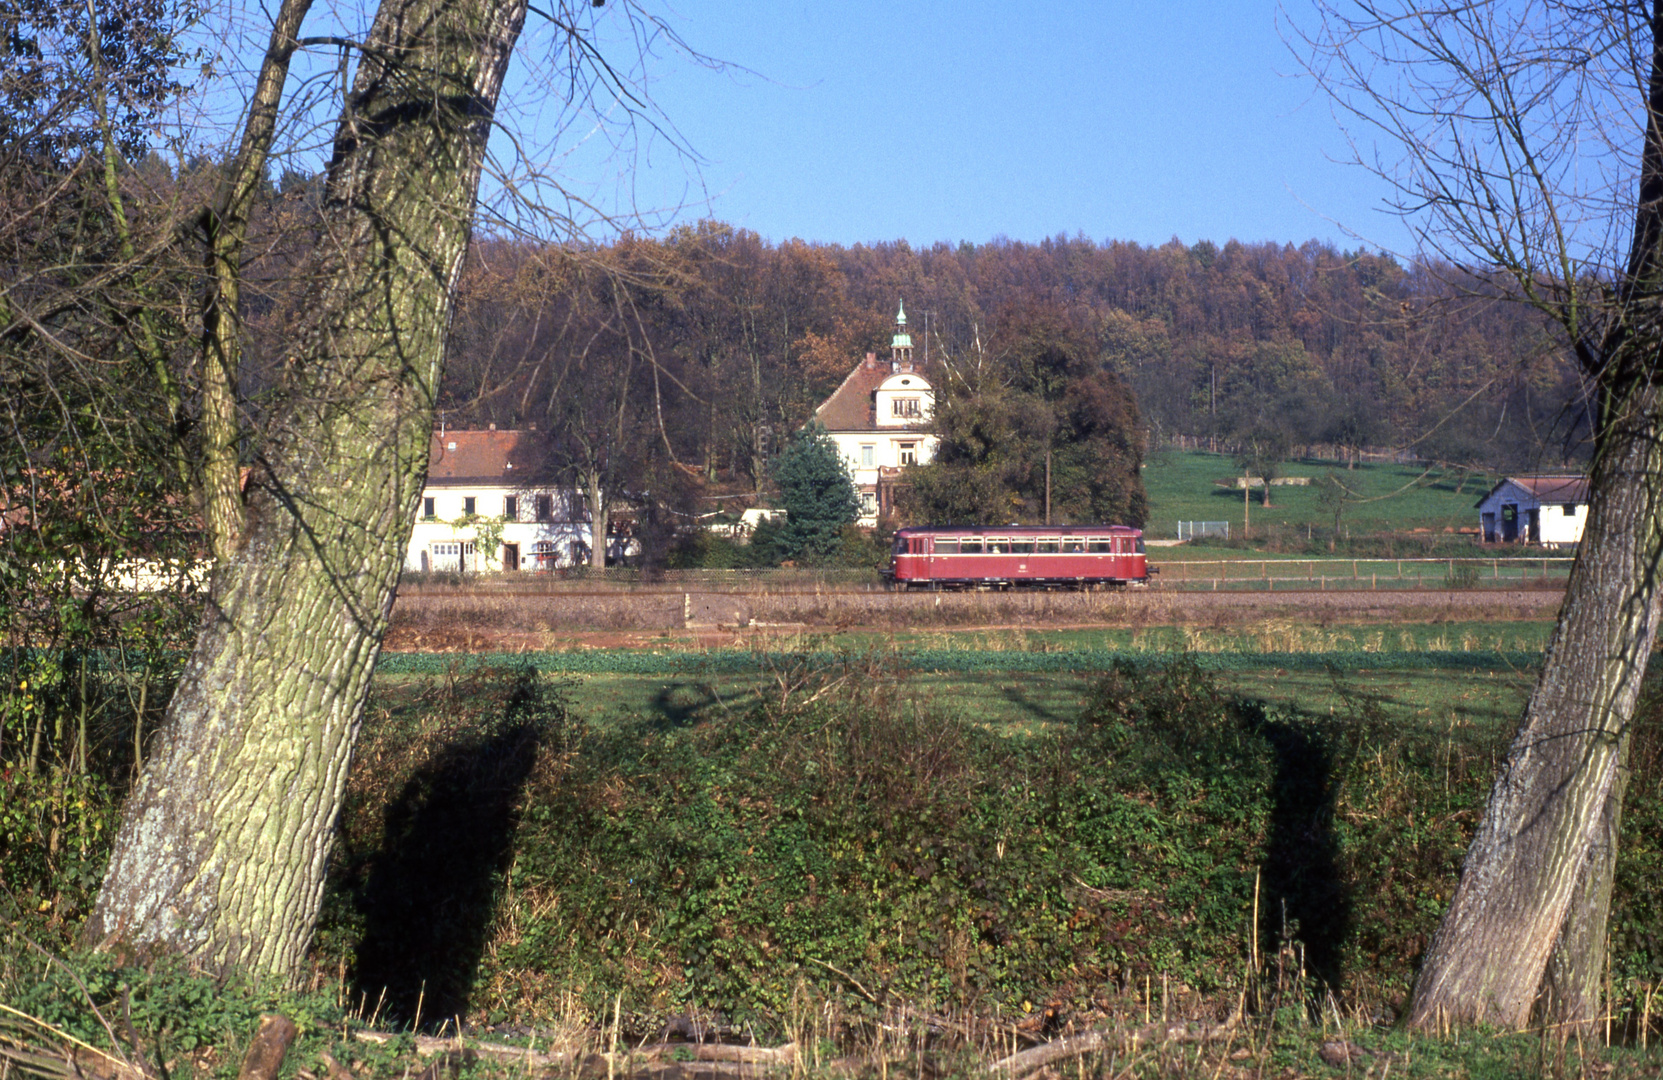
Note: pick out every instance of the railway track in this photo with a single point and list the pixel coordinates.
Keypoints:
(1237, 587)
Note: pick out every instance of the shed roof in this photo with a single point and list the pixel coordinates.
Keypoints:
(458, 458)
(1545, 489)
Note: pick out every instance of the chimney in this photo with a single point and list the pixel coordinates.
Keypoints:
(492, 427)
(871, 360)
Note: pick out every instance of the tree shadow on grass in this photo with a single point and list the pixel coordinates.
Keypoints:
(430, 895)
(1306, 896)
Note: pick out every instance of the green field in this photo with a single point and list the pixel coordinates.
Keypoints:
(999, 678)
(1181, 485)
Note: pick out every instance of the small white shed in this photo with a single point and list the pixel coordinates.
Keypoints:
(1546, 510)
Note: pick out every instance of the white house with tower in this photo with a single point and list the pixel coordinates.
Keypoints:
(879, 418)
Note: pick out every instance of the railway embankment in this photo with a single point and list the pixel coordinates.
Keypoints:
(476, 619)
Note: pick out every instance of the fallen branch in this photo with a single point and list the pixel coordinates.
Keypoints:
(712, 1053)
(1177, 1031)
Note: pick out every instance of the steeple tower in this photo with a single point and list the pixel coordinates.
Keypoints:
(900, 346)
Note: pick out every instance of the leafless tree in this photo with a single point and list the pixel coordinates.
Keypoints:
(1524, 142)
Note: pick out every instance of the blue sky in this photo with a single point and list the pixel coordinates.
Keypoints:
(935, 121)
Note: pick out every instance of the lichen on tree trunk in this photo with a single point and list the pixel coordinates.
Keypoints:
(223, 846)
(1525, 931)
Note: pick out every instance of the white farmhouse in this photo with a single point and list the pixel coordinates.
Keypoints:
(487, 508)
(879, 419)
(1546, 510)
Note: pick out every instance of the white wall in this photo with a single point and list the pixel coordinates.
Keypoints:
(445, 543)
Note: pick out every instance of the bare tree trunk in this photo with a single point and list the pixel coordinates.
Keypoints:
(599, 512)
(1525, 931)
(1536, 886)
(223, 846)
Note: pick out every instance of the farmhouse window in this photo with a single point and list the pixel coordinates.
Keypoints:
(511, 507)
(427, 508)
(453, 555)
(545, 507)
(470, 505)
(542, 554)
(909, 453)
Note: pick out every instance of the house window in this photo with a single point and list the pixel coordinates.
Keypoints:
(542, 554)
(868, 455)
(545, 507)
(427, 508)
(868, 503)
(909, 453)
(470, 506)
(511, 507)
(453, 555)
(904, 406)
(1569, 509)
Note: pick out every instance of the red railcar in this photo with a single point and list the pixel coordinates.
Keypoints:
(1017, 556)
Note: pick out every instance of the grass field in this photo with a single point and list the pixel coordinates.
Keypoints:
(1029, 703)
(1181, 485)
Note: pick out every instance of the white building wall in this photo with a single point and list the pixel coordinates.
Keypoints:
(865, 453)
(1559, 527)
(447, 540)
(1556, 524)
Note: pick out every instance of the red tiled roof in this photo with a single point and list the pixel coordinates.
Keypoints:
(852, 406)
(1547, 489)
(483, 457)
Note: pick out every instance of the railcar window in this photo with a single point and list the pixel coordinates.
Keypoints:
(1140, 546)
(1022, 547)
(970, 547)
(1100, 544)
(1045, 547)
(900, 545)
(998, 547)
(946, 545)
(1073, 544)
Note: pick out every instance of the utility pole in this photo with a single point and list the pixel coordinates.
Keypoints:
(1047, 485)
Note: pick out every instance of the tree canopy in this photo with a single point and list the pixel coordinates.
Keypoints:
(1041, 430)
(817, 495)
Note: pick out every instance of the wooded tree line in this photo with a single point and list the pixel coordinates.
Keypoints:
(695, 354)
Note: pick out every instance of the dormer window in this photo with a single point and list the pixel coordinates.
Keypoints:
(904, 407)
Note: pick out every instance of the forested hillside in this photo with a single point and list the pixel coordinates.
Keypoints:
(681, 363)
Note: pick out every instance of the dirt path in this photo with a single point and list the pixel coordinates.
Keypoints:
(482, 621)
